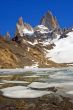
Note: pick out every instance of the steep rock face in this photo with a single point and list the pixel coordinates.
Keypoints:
(49, 21)
(48, 28)
(23, 29)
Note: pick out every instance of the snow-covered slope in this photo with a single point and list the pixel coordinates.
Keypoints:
(63, 51)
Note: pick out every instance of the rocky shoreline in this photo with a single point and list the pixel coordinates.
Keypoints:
(49, 102)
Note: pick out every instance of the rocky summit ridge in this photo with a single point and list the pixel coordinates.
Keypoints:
(29, 46)
(49, 21)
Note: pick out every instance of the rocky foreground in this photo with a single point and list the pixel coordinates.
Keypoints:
(50, 102)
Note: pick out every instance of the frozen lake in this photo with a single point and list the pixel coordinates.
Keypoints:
(35, 81)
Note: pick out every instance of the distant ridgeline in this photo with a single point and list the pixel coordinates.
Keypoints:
(48, 24)
(48, 27)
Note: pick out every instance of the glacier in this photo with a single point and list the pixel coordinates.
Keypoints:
(63, 51)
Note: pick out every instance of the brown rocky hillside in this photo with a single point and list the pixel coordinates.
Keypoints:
(14, 55)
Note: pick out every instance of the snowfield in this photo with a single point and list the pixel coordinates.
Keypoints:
(32, 67)
(63, 51)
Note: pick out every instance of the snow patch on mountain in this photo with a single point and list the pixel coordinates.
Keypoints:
(46, 42)
(35, 65)
(28, 32)
(42, 29)
(33, 43)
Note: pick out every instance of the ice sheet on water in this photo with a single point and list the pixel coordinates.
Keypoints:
(42, 85)
(22, 92)
(61, 75)
(18, 82)
(69, 92)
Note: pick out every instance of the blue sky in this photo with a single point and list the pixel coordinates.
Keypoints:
(32, 11)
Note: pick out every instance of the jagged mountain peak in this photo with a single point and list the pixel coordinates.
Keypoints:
(23, 29)
(49, 13)
(40, 32)
(49, 21)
